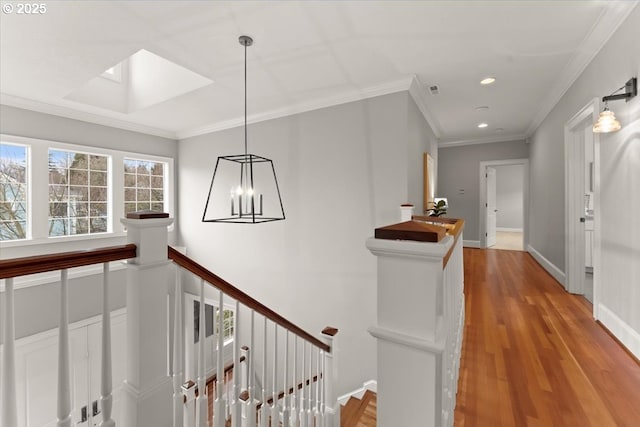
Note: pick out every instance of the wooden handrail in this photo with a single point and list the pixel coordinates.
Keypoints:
(235, 293)
(42, 263)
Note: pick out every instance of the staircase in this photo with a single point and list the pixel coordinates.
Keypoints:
(360, 412)
(283, 375)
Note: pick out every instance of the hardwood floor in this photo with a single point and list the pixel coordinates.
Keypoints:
(534, 356)
(360, 412)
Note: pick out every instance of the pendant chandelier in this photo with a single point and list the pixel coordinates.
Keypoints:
(244, 188)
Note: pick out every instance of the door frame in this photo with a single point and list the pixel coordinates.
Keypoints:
(574, 159)
(483, 197)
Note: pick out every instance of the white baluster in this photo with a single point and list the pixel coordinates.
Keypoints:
(275, 413)
(331, 407)
(316, 408)
(303, 413)
(287, 397)
(264, 411)
(236, 407)
(201, 400)
(178, 378)
(9, 404)
(310, 389)
(322, 379)
(106, 399)
(294, 408)
(219, 413)
(251, 403)
(64, 387)
(189, 397)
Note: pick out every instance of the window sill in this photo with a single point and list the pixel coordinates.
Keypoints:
(60, 239)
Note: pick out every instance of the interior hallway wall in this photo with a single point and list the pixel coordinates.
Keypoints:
(619, 295)
(458, 175)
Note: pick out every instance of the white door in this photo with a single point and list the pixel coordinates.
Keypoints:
(37, 379)
(491, 206)
(37, 374)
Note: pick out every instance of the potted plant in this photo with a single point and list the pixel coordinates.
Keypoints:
(439, 208)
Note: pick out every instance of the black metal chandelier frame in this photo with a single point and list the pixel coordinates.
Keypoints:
(245, 207)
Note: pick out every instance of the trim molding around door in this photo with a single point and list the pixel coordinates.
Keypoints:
(483, 197)
(574, 202)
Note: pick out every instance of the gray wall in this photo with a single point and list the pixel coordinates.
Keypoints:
(420, 139)
(459, 169)
(509, 194)
(37, 307)
(619, 153)
(342, 171)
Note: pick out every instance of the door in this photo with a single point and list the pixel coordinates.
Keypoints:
(37, 380)
(37, 374)
(491, 206)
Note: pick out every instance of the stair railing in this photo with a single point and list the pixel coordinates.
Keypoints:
(286, 350)
(12, 268)
(292, 387)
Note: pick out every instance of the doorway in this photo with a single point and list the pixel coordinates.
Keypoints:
(582, 173)
(503, 209)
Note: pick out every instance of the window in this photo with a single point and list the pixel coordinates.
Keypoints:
(78, 193)
(52, 191)
(144, 185)
(13, 192)
(114, 73)
(211, 321)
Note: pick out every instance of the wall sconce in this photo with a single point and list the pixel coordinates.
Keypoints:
(607, 121)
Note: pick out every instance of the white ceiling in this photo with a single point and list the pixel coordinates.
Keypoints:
(309, 54)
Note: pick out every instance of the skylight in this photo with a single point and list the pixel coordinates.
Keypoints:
(145, 78)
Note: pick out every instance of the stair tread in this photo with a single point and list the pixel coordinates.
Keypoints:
(360, 412)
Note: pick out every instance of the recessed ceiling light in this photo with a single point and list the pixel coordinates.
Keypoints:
(487, 81)
(482, 125)
(482, 108)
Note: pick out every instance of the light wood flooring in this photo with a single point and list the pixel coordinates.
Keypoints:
(533, 355)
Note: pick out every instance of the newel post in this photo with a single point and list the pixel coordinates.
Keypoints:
(330, 378)
(419, 311)
(147, 387)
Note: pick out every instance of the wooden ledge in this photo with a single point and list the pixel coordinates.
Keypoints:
(330, 331)
(411, 230)
(453, 226)
(147, 215)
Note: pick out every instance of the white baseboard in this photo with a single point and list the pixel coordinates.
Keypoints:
(510, 230)
(629, 337)
(548, 265)
(371, 385)
(471, 243)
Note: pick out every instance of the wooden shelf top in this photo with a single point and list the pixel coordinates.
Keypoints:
(412, 230)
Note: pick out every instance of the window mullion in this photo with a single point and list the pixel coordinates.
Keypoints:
(39, 191)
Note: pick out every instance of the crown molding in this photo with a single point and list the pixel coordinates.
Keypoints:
(85, 116)
(303, 107)
(613, 15)
(416, 89)
(485, 140)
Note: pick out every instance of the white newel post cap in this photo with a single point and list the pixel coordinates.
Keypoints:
(148, 231)
(406, 212)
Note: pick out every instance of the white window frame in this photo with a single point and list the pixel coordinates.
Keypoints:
(38, 189)
(28, 179)
(165, 178)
